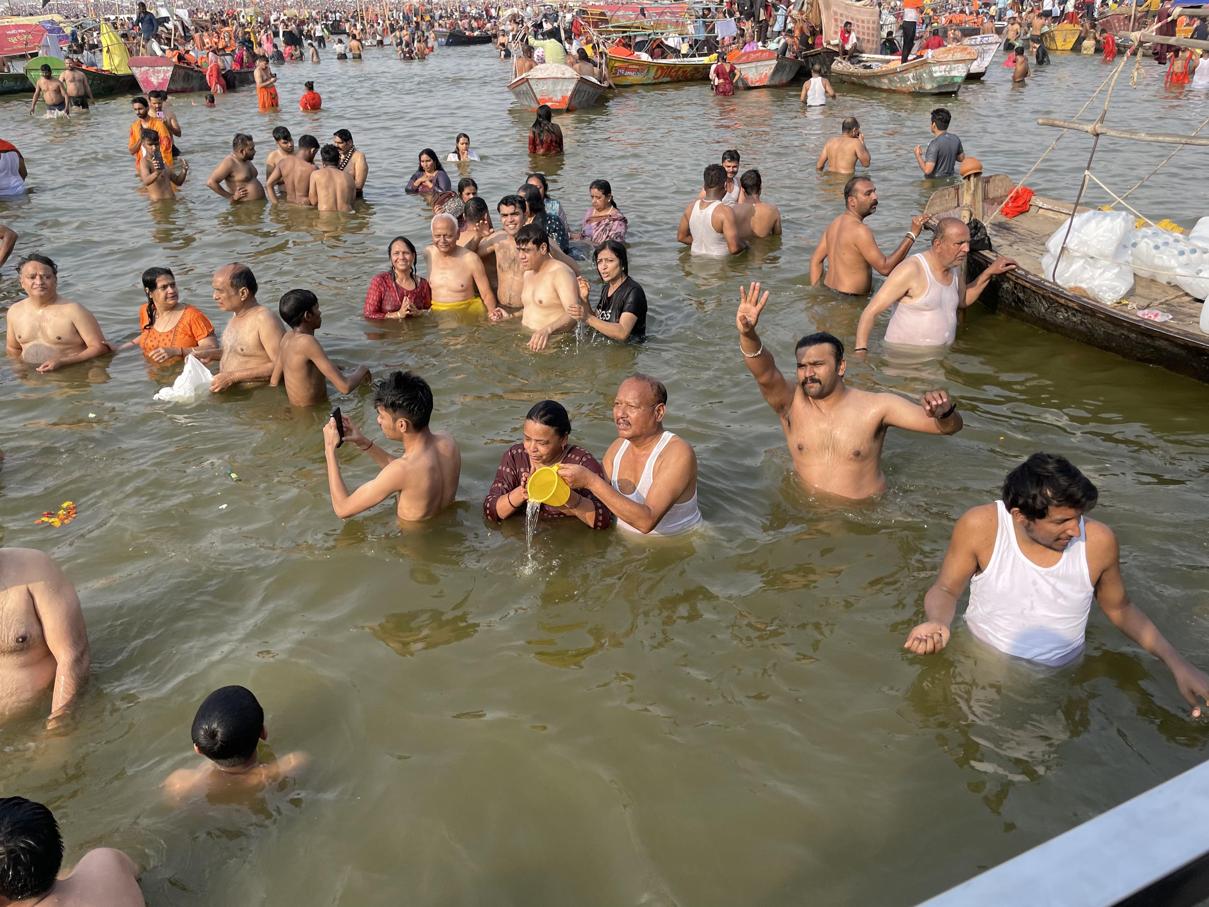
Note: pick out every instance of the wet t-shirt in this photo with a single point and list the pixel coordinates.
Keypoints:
(943, 151)
(629, 297)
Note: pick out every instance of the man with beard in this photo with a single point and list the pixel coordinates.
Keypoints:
(1034, 564)
(850, 248)
(927, 291)
(351, 159)
(835, 433)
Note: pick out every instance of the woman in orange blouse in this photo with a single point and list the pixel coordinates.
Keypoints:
(170, 330)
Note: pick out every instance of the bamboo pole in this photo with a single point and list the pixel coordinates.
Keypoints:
(1174, 40)
(1098, 129)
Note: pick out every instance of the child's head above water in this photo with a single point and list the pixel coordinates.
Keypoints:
(228, 726)
(295, 304)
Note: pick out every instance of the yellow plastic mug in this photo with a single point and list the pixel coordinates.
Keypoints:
(547, 487)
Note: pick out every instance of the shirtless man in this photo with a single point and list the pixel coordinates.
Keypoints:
(227, 731)
(835, 433)
(293, 173)
(284, 143)
(425, 478)
(31, 855)
(708, 223)
(43, 641)
(842, 152)
(238, 172)
(154, 174)
(928, 290)
(1037, 565)
(75, 85)
(51, 91)
(47, 330)
(498, 247)
(651, 474)
(549, 293)
(756, 218)
(251, 339)
(456, 274)
(331, 189)
(302, 365)
(849, 247)
(351, 159)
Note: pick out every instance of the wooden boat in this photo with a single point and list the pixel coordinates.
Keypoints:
(13, 83)
(763, 68)
(457, 38)
(1026, 292)
(102, 82)
(938, 72)
(821, 57)
(625, 71)
(986, 46)
(557, 86)
(165, 74)
(1060, 37)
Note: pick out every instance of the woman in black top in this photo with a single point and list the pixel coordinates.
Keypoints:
(621, 311)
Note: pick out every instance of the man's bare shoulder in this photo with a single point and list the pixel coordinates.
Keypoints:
(978, 523)
(24, 565)
(1101, 540)
(447, 445)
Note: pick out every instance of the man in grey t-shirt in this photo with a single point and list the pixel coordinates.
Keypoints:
(944, 151)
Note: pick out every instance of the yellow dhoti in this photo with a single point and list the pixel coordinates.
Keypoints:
(466, 305)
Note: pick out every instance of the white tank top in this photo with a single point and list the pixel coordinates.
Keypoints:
(10, 175)
(930, 320)
(730, 199)
(679, 517)
(816, 95)
(1038, 613)
(706, 240)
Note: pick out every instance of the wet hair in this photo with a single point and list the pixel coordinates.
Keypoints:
(45, 67)
(157, 95)
(850, 125)
(309, 86)
(583, 56)
(657, 387)
(512, 201)
(329, 154)
(822, 337)
(295, 304)
(533, 199)
(476, 209)
(457, 138)
(149, 134)
(151, 278)
(551, 414)
(428, 152)
(38, 259)
(281, 134)
(730, 155)
(1044, 481)
(411, 247)
(309, 141)
(714, 177)
(619, 251)
(31, 849)
(343, 135)
(941, 117)
(227, 726)
(241, 139)
(541, 178)
(242, 278)
(405, 395)
(750, 182)
(467, 183)
(136, 101)
(850, 186)
(543, 124)
(604, 188)
(533, 234)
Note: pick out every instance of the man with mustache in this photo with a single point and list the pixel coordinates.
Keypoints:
(849, 247)
(835, 433)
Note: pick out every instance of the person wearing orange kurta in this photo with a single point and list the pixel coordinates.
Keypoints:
(143, 120)
(266, 86)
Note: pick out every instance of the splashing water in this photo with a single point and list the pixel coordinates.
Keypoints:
(532, 509)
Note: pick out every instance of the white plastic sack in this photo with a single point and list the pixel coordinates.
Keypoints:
(1103, 235)
(1171, 259)
(194, 382)
(1105, 280)
(1200, 233)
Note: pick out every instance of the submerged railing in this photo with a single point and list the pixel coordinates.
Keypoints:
(1153, 849)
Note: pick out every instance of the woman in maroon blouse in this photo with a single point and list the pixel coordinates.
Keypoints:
(547, 427)
(398, 293)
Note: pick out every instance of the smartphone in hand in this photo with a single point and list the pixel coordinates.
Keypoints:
(339, 417)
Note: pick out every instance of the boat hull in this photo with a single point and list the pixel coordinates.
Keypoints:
(13, 83)
(564, 90)
(1060, 38)
(942, 73)
(764, 69)
(461, 39)
(986, 46)
(627, 71)
(165, 74)
(103, 84)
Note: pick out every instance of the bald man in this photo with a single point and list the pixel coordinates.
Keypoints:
(456, 274)
(253, 335)
(927, 290)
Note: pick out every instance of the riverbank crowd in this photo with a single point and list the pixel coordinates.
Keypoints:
(1033, 560)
